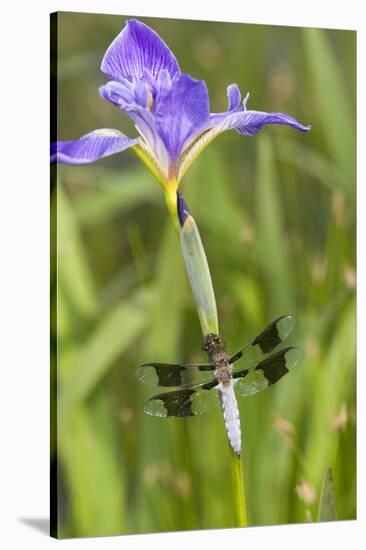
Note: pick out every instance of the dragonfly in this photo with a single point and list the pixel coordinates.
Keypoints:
(201, 387)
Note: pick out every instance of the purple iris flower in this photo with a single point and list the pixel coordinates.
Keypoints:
(170, 109)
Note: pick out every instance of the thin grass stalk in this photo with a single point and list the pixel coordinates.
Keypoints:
(237, 475)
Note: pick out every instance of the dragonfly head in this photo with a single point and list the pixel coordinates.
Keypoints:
(213, 341)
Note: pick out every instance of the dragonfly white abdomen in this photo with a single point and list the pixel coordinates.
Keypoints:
(231, 415)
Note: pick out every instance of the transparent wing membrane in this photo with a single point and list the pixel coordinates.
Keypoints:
(171, 375)
(184, 402)
(271, 337)
(267, 372)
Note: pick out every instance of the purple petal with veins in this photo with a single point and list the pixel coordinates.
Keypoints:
(138, 49)
(134, 99)
(247, 122)
(234, 97)
(182, 115)
(91, 147)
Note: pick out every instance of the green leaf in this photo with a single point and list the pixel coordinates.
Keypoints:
(74, 275)
(93, 472)
(170, 296)
(271, 245)
(216, 202)
(334, 103)
(312, 163)
(332, 380)
(327, 502)
(115, 194)
(110, 339)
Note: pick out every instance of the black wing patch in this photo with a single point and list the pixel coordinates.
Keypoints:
(267, 372)
(266, 341)
(184, 402)
(169, 375)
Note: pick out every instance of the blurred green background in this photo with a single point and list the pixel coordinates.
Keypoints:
(276, 214)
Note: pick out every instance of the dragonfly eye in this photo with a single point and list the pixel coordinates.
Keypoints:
(213, 341)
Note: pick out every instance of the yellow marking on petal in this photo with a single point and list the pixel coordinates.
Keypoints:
(150, 102)
(169, 186)
(107, 132)
(195, 149)
(150, 160)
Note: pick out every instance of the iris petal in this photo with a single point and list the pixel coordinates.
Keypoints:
(117, 93)
(234, 97)
(182, 114)
(91, 147)
(133, 98)
(128, 96)
(138, 49)
(249, 123)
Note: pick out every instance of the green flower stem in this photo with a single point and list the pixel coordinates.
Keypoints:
(171, 202)
(200, 279)
(237, 474)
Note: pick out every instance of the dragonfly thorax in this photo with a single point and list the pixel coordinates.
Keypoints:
(215, 348)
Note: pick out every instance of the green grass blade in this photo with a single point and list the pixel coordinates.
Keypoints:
(93, 474)
(313, 163)
(109, 340)
(74, 274)
(115, 194)
(214, 200)
(271, 241)
(327, 502)
(332, 385)
(333, 103)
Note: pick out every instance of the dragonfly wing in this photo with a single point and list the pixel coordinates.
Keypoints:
(271, 337)
(169, 375)
(267, 372)
(184, 402)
